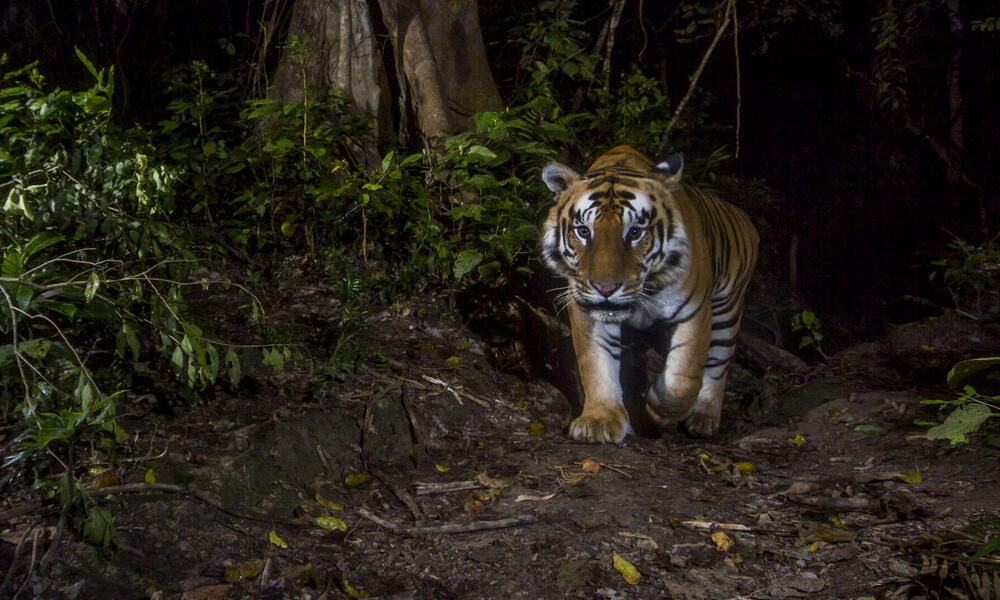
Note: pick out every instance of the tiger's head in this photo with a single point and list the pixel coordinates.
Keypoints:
(615, 232)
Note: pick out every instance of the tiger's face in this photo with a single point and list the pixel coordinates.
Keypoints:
(613, 233)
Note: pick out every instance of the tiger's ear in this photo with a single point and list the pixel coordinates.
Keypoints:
(558, 176)
(672, 168)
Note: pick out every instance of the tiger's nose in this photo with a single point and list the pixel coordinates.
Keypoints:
(605, 289)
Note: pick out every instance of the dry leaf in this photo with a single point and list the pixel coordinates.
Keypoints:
(327, 503)
(527, 497)
(357, 480)
(723, 543)
(238, 572)
(350, 591)
(628, 571)
(800, 487)
(591, 466)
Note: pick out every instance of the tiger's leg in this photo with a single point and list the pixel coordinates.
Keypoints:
(706, 414)
(598, 354)
(674, 394)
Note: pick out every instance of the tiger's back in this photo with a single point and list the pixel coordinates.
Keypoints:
(639, 247)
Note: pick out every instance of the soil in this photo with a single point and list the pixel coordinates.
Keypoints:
(454, 479)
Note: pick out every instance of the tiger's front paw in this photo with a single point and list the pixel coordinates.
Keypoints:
(702, 424)
(672, 405)
(601, 426)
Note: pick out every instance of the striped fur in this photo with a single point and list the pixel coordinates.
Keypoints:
(639, 247)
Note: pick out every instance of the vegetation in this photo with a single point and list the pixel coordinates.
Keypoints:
(111, 229)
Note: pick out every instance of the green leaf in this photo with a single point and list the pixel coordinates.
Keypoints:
(86, 63)
(12, 266)
(964, 420)
(967, 368)
(52, 433)
(467, 261)
(177, 358)
(331, 523)
(276, 540)
(36, 348)
(387, 162)
(233, 366)
(991, 545)
(99, 528)
(481, 153)
(92, 286)
(40, 241)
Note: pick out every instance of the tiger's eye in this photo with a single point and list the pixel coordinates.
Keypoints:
(583, 231)
(635, 233)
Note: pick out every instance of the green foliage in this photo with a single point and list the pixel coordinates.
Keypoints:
(93, 267)
(571, 87)
(971, 273)
(811, 328)
(987, 25)
(970, 409)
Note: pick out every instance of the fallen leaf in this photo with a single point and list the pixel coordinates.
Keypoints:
(150, 476)
(463, 346)
(914, 477)
(331, 523)
(241, 571)
(590, 466)
(723, 543)
(355, 480)
(527, 498)
(628, 571)
(473, 505)
(105, 480)
(453, 361)
(536, 429)
(797, 440)
(745, 466)
(327, 503)
(302, 575)
(352, 592)
(821, 532)
(869, 429)
(574, 575)
(800, 487)
(277, 541)
(442, 468)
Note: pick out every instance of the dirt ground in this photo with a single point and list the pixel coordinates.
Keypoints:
(448, 478)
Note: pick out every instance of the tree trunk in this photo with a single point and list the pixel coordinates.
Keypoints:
(441, 65)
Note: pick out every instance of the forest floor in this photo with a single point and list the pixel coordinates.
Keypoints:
(447, 478)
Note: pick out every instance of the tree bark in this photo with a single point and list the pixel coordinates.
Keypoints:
(440, 47)
(440, 61)
(337, 50)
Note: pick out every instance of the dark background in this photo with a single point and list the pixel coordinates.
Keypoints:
(867, 200)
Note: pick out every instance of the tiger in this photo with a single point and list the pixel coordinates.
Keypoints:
(640, 248)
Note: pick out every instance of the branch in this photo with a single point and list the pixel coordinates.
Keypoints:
(448, 527)
(726, 18)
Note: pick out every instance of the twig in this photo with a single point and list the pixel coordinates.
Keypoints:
(31, 567)
(17, 553)
(697, 74)
(736, 527)
(47, 557)
(400, 492)
(146, 488)
(448, 527)
(426, 489)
